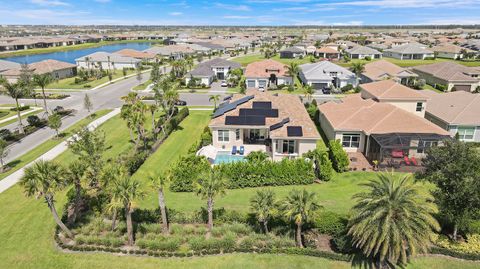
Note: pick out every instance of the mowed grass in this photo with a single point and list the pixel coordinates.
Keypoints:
(14, 113)
(27, 227)
(245, 60)
(49, 144)
(69, 83)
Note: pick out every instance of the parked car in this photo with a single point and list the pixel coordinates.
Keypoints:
(181, 103)
(326, 91)
(223, 83)
(58, 109)
(228, 97)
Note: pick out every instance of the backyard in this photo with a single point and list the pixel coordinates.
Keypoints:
(27, 227)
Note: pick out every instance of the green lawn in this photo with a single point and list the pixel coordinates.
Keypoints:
(26, 225)
(6, 113)
(142, 86)
(49, 144)
(69, 83)
(245, 60)
(14, 113)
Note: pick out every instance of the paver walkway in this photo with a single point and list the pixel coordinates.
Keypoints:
(13, 178)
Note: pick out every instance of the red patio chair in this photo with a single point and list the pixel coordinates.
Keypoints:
(406, 160)
(414, 161)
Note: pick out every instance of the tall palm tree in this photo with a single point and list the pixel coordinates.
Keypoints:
(309, 91)
(208, 186)
(44, 179)
(299, 206)
(214, 98)
(358, 69)
(75, 175)
(263, 206)
(159, 182)
(293, 69)
(16, 91)
(153, 108)
(127, 191)
(392, 219)
(189, 63)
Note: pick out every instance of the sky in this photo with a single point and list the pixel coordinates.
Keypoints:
(240, 12)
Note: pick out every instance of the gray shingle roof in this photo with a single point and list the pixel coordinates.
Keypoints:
(6, 65)
(321, 71)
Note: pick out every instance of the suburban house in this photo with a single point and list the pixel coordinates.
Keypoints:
(277, 124)
(325, 74)
(267, 74)
(141, 55)
(57, 69)
(392, 92)
(382, 69)
(456, 112)
(207, 71)
(379, 131)
(173, 52)
(361, 52)
(293, 52)
(453, 76)
(408, 52)
(450, 51)
(7, 65)
(327, 53)
(107, 61)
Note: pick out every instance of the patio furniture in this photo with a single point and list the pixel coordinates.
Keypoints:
(397, 153)
(414, 161)
(234, 150)
(406, 160)
(242, 150)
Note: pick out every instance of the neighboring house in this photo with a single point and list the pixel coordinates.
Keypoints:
(379, 130)
(7, 65)
(207, 71)
(293, 52)
(173, 52)
(455, 77)
(325, 74)
(450, 51)
(266, 74)
(361, 52)
(382, 69)
(389, 91)
(57, 69)
(456, 112)
(141, 55)
(276, 124)
(107, 61)
(408, 52)
(327, 53)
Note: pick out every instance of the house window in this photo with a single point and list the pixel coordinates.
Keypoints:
(419, 107)
(466, 133)
(423, 145)
(237, 134)
(351, 140)
(250, 83)
(223, 136)
(220, 69)
(285, 146)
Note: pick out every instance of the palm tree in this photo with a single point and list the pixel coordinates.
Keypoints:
(189, 63)
(153, 108)
(15, 91)
(127, 191)
(208, 186)
(358, 69)
(309, 91)
(263, 206)
(392, 219)
(75, 175)
(293, 69)
(215, 98)
(159, 182)
(44, 178)
(42, 81)
(299, 206)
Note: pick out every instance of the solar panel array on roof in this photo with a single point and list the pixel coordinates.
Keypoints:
(231, 106)
(280, 124)
(242, 120)
(294, 131)
(262, 105)
(270, 113)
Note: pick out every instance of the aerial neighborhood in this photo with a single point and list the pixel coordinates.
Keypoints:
(239, 147)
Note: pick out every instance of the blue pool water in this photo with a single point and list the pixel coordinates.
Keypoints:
(69, 56)
(226, 157)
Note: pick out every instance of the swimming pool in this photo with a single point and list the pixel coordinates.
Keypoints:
(226, 157)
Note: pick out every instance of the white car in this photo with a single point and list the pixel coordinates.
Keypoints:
(223, 84)
(261, 89)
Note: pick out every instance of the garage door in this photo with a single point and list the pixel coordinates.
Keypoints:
(319, 86)
(466, 88)
(250, 83)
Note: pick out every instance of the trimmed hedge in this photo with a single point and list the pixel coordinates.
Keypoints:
(338, 156)
(460, 255)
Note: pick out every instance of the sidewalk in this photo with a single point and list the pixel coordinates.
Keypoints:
(13, 178)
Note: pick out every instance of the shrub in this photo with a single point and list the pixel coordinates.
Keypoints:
(206, 137)
(185, 171)
(471, 246)
(169, 244)
(331, 223)
(257, 156)
(338, 156)
(368, 58)
(347, 88)
(441, 87)
(34, 120)
(323, 165)
(22, 108)
(134, 160)
(6, 134)
(473, 227)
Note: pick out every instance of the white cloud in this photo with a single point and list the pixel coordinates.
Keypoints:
(452, 21)
(353, 23)
(175, 13)
(236, 17)
(51, 3)
(233, 7)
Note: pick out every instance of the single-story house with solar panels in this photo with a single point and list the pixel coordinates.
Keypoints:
(277, 124)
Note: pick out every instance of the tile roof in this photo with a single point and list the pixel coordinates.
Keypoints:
(449, 71)
(460, 107)
(6, 65)
(391, 90)
(288, 105)
(449, 48)
(105, 57)
(378, 69)
(136, 54)
(42, 67)
(356, 114)
(327, 50)
(409, 48)
(263, 69)
(362, 50)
